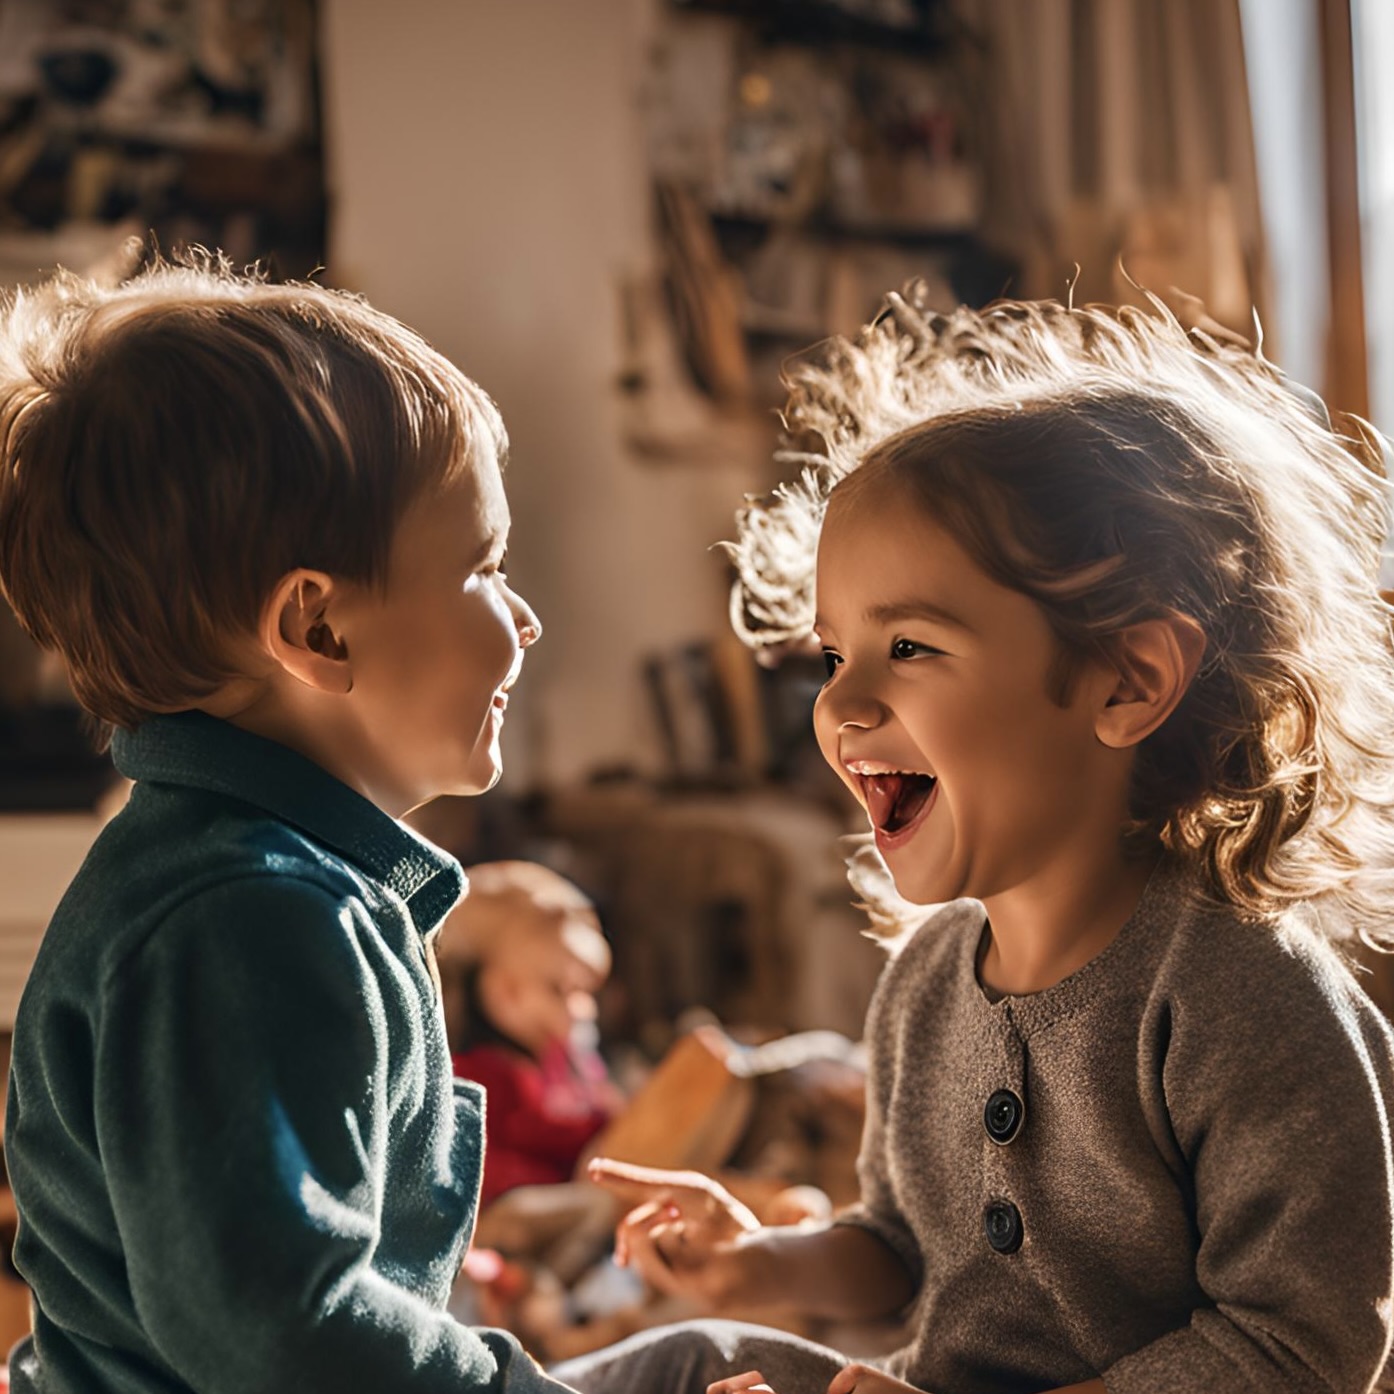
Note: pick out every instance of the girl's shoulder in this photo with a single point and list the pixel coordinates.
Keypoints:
(941, 946)
(1261, 1029)
(1282, 975)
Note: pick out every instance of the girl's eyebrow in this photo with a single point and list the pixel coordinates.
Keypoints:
(916, 610)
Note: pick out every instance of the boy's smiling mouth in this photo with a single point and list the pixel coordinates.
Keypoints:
(501, 692)
(896, 800)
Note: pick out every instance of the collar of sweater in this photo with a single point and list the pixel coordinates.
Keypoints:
(202, 752)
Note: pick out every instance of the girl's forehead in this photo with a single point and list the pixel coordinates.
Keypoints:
(883, 554)
(875, 539)
(878, 500)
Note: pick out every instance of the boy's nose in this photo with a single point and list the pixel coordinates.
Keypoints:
(529, 626)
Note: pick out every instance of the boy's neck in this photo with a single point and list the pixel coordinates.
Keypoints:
(1038, 935)
(310, 727)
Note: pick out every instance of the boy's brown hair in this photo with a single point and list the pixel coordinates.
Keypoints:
(171, 447)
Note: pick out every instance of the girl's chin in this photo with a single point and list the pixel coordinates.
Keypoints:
(919, 885)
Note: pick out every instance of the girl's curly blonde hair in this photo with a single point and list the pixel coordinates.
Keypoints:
(1115, 466)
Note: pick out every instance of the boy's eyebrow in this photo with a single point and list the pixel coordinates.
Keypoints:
(916, 610)
(486, 549)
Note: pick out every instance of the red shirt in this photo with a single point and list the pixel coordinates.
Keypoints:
(539, 1115)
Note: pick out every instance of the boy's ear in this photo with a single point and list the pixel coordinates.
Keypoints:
(1154, 662)
(299, 632)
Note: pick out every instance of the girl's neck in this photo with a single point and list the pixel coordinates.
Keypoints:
(1042, 932)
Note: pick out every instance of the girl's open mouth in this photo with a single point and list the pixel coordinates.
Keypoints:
(897, 802)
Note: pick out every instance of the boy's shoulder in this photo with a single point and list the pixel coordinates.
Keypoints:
(220, 814)
(233, 849)
(185, 854)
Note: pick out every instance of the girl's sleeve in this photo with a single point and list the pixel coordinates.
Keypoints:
(242, 1103)
(1277, 1082)
(877, 1210)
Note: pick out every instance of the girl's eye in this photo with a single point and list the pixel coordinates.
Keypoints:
(832, 658)
(908, 648)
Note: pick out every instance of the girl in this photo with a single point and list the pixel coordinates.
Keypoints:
(1108, 671)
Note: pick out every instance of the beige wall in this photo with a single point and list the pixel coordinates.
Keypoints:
(488, 187)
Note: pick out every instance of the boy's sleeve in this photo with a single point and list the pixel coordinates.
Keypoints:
(1278, 1093)
(242, 1108)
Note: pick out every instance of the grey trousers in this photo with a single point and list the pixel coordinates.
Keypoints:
(686, 1358)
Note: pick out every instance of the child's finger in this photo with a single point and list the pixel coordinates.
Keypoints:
(751, 1380)
(645, 1256)
(635, 1183)
(848, 1379)
(670, 1239)
(639, 1220)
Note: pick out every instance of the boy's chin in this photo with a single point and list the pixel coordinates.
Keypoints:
(477, 781)
(484, 772)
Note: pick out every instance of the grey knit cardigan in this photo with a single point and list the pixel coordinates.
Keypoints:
(1172, 1170)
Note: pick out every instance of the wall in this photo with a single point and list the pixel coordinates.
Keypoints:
(487, 186)
(39, 856)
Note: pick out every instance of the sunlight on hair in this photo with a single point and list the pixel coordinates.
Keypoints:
(1113, 464)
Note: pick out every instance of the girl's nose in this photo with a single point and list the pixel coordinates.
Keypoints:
(849, 703)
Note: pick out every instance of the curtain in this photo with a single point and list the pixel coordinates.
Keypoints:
(1120, 138)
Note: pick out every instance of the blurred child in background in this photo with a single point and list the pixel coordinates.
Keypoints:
(521, 960)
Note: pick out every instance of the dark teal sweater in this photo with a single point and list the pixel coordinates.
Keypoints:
(240, 1160)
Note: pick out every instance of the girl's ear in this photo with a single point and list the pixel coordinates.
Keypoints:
(298, 631)
(1154, 662)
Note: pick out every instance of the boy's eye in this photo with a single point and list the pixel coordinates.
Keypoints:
(831, 658)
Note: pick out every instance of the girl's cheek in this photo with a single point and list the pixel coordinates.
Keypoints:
(827, 739)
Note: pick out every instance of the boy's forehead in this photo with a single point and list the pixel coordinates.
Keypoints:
(486, 477)
(472, 497)
(480, 471)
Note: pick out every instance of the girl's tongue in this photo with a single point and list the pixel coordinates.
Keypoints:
(893, 800)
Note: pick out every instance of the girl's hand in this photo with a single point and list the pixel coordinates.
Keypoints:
(752, 1381)
(683, 1234)
(862, 1379)
(854, 1379)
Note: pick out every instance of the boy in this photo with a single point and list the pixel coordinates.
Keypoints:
(265, 528)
